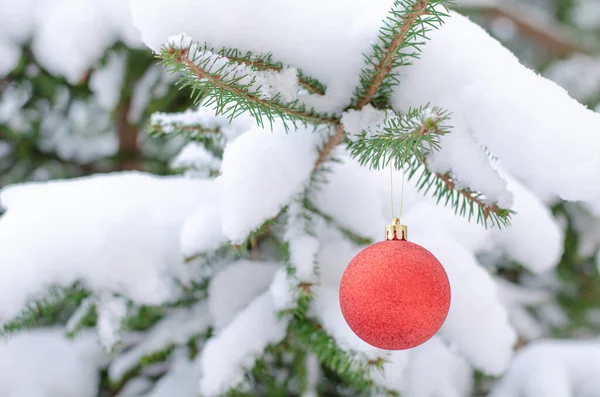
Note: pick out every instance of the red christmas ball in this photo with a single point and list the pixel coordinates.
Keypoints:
(395, 295)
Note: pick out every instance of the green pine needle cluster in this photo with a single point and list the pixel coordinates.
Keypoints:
(405, 137)
(217, 81)
(464, 201)
(404, 142)
(52, 308)
(403, 32)
(350, 366)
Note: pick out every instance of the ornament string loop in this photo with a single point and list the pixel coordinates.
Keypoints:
(396, 231)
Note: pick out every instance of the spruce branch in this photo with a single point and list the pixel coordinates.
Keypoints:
(400, 38)
(464, 201)
(404, 137)
(405, 140)
(233, 88)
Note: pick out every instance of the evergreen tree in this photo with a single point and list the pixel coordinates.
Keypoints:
(224, 280)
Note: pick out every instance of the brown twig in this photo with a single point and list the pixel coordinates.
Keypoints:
(385, 66)
(466, 193)
(331, 143)
(554, 37)
(129, 156)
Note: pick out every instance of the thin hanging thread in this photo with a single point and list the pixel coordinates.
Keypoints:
(401, 192)
(392, 190)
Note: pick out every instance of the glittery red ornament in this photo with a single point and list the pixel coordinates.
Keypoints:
(395, 294)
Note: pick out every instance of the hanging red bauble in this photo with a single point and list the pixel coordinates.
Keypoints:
(395, 294)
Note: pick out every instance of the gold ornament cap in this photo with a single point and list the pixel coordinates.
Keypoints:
(396, 231)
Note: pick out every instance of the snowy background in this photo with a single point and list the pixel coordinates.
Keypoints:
(138, 219)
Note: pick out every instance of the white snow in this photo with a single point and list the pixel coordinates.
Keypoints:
(205, 118)
(368, 119)
(106, 82)
(176, 328)
(116, 233)
(135, 387)
(487, 342)
(553, 368)
(333, 257)
(313, 375)
(180, 381)
(578, 74)
(235, 286)
(227, 355)
(469, 164)
(143, 90)
(353, 197)
(260, 161)
(17, 19)
(68, 36)
(535, 238)
(393, 375)
(267, 84)
(435, 370)
(112, 311)
(302, 246)
(283, 291)
(195, 156)
(43, 363)
(79, 315)
(10, 55)
(16, 24)
(326, 308)
(586, 13)
(201, 231)
(518, 300)
(85, 134)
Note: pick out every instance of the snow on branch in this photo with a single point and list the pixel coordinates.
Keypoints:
(124, 253)
(351, 366)
(278, 162)
(403, 139)
(112, 311)
(407, 140)
(486, 343)
(465, 201)
(313, 86)
(228, 355)
(303, 246)
(177, 328)
(43, 309)
(552, 367)
(530, 124)
(234, 88)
